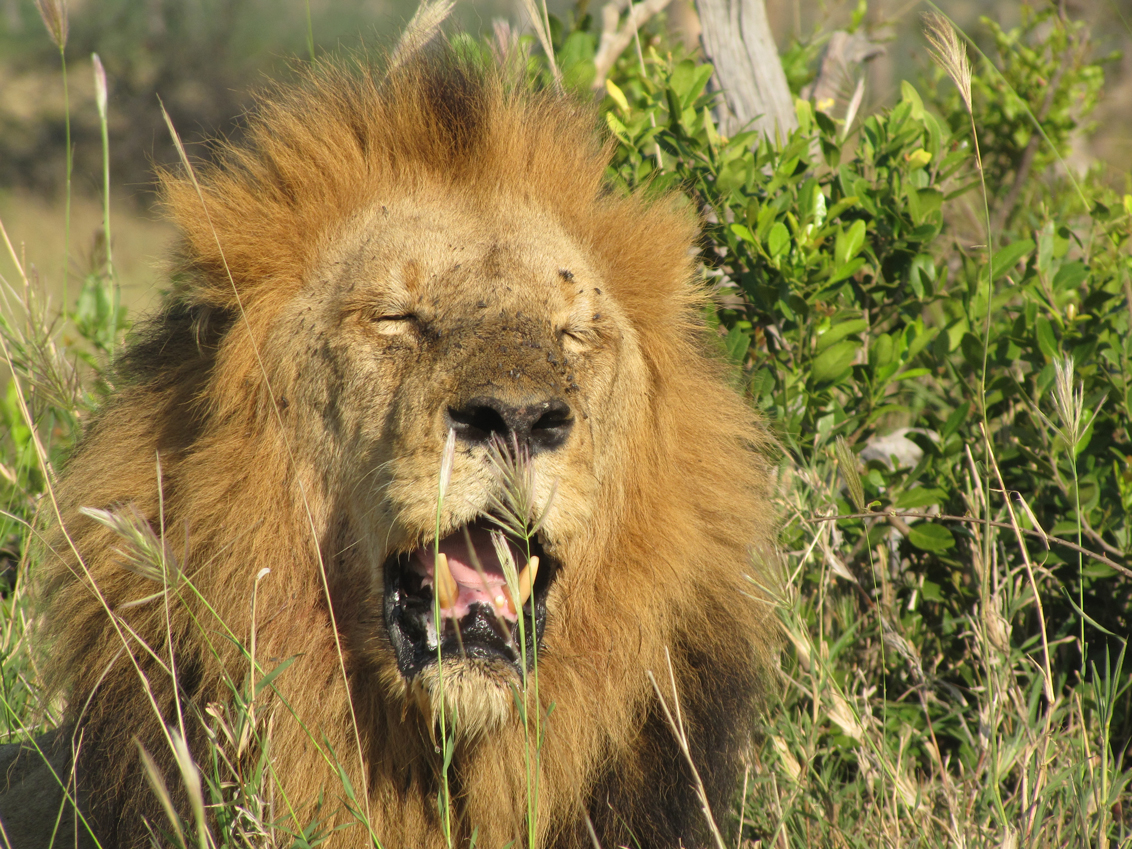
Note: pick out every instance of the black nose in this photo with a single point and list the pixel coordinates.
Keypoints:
(541, 426)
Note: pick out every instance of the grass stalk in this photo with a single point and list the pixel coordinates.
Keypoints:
(520, 516)
(310, 31)
(56, 20)
(673, 716)
(100, 99)
(67, 190)
(444, 801)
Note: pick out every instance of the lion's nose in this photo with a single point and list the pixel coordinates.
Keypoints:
(541, 426)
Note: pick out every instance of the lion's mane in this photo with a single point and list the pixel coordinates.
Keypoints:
(204, 438)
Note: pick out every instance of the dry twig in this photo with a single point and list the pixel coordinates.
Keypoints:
(615, 39)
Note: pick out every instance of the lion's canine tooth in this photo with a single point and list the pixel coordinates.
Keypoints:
(527, 580)
(446, 589)
(526, 583)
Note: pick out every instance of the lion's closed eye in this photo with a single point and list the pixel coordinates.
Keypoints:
(392, 321)
(576, 339)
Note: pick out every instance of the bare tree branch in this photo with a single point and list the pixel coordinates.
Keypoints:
(615, 39)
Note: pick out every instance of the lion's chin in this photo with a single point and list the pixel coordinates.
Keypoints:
(471, 697)
(450, 601)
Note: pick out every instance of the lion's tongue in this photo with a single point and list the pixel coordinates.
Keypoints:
(482, 585)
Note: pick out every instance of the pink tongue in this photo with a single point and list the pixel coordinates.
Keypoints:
(484, 585)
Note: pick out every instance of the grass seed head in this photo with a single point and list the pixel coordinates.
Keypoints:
(99, 86)
(142, 552)
(1069, 401)
(54, 14)
(949, 53)
(447, 461)
(516, 509)
(847, 462)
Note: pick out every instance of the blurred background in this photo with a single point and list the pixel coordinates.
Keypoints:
(202, 58)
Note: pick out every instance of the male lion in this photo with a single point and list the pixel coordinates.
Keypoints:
(386, 261)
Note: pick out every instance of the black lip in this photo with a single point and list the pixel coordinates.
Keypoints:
(409, 618)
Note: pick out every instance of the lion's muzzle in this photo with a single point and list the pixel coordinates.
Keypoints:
(536, 426)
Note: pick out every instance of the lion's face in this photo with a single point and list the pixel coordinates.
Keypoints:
(432, 317)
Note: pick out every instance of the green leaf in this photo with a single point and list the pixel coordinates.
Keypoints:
(849, 242)
(618, 129)
(841, 206)
(919, 496)
(921, 273)
(955, 420)
(834, 361)
(1047, 341)
(737, 343)
(266, 680)
(848, 270)
(918, 338)
(805, 113)
(972, 348)
(928, 200)
(1045, 248)
(924, 233)
(909, 95)
(1007, 257)
(838, 332)
(688, 80)
(1070, 275)
(930, 591)
(913, 373)
(743, 233)
(617, 95)
(709, 127)
(778, 241)
(881, 352)
(928, 536)
(576, 61)
(762, 383)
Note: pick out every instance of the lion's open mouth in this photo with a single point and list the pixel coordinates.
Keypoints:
(478, 612)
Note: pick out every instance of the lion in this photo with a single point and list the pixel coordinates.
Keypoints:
(404, 303)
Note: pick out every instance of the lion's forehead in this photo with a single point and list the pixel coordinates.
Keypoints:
(450, 256)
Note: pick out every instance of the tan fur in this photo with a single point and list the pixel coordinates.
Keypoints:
(298, 429)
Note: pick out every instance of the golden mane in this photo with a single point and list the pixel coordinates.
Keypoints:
(194, 442)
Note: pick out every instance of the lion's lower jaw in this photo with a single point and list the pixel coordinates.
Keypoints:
(470, 697)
